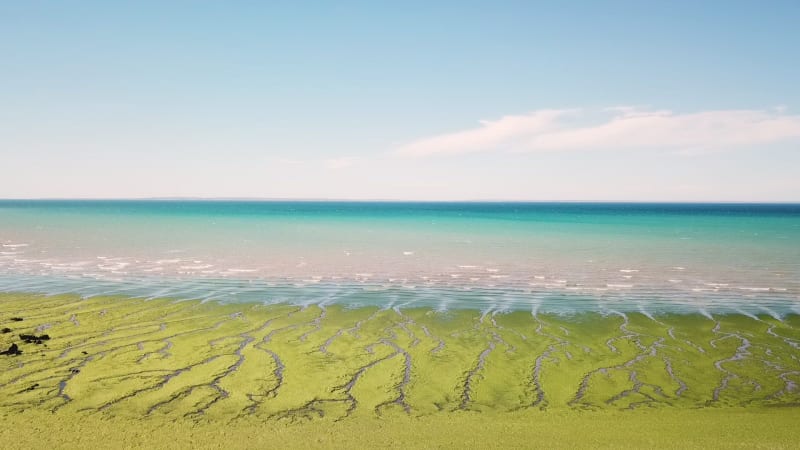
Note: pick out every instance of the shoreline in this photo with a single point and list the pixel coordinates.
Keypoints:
(508, 296)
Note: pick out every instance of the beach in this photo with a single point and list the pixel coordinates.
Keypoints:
(514, 325)
(456, 225)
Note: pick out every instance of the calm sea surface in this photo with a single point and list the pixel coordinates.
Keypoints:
(560, 257)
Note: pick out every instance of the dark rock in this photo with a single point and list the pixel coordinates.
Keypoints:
(6, 330)
(32, 387)
(75, 370)
(13, 350)
(84, 353)
(16, 319)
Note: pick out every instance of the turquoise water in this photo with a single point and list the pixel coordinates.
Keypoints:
(491, 256)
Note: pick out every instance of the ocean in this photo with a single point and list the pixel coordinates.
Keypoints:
(544, 257)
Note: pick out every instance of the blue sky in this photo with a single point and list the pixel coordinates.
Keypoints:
(459, 100)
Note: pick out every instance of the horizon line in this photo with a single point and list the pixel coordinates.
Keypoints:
(385, 200)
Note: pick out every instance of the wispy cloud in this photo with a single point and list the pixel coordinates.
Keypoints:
(619, 128)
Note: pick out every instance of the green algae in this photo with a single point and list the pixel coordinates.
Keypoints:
(246, 365)
(706, 428)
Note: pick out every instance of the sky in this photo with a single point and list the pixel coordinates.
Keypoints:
(462, 100)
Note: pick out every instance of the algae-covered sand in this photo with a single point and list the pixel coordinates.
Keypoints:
(162, 373)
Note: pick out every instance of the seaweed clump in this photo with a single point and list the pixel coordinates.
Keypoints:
(33, 339)
(13, 350)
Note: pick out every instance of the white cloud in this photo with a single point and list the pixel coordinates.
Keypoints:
(619, 128)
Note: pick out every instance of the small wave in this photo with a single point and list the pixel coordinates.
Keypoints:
(196, 267)
(112, 267)
(628, 270)
(747, 314)
(772, 314)
(647, 313)
(80, 263)
(704, 312)
(15, 245)
(166, 261)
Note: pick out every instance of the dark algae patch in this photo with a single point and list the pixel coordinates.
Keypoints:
(33, 339)
(13, 350)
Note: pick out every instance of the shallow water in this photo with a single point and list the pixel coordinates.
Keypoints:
(560, 257)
